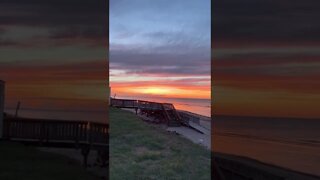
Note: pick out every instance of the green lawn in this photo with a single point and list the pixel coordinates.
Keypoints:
(141, 151)
(19, 162)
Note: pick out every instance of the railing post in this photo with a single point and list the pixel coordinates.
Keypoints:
(88, 133)
(76, 133)
(85, 150)
(42, 132)
(2, 89)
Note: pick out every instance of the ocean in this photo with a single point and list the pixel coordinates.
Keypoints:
(198, 106)
(290, 143)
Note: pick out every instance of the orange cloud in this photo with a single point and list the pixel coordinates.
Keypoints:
(276, 82)
(151, 89)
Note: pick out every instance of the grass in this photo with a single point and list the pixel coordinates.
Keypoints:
(141, 151)
(22, 162)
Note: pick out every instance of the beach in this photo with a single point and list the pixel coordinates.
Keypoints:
(239, 167)
(288, 143)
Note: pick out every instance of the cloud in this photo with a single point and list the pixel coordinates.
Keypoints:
(157, 64)
(267, 21)
(79, 71)
(53, 12)
(266, 46)
(62, 21)
(160, 37)
(276, 69)
(53, 54)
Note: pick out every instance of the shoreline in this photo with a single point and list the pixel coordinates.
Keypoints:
(203, 117)
(204, 121)
(297, 157)
(264, 167)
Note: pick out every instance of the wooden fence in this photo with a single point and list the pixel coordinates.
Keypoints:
(44, 130)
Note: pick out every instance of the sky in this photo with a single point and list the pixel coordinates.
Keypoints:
(266, 58)
(53, 54)
(265, 53)
(160, 48)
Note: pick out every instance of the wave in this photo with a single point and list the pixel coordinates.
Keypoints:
(185, 104)
(304, 142)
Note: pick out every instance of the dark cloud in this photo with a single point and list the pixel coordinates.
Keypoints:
(185, 83)
(92, 70)
(265, 20)
(164, 71)
(180, 40)
(53, 12)
(265, 43)
(143, 63)
(160, 38)
(63, 19)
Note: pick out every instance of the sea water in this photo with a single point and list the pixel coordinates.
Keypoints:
(291, 143)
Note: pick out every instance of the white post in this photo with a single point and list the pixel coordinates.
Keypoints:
(2, 89)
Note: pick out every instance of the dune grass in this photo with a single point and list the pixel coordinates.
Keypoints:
(22, 162)
(141, 151)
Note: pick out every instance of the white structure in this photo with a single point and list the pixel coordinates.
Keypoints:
(2, 89)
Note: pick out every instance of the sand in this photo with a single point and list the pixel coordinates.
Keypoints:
(292, 156)
(284, 142)
(253, 168)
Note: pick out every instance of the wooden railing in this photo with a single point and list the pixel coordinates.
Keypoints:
(148, 105)
(140, 104)
(124, 103)
(166, 110)
(187, 118)
(168, 106)
(44, 130)
(60, 133)
(99, 133)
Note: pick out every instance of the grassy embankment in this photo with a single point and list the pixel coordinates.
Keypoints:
(22, 162)
(141, 151)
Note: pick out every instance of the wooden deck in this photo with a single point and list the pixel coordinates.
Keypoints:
(124, 103)
(162, 112)
(84, 135)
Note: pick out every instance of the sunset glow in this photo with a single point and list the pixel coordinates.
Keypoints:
(54, 58)
(263, 66)
(156, 90)
(163, 91)
(168, 58)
